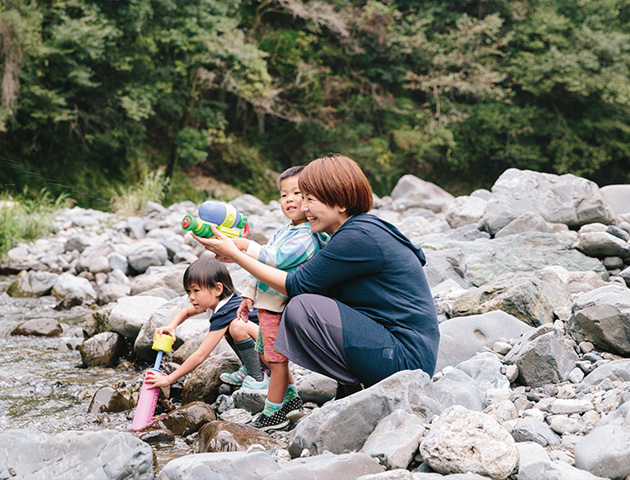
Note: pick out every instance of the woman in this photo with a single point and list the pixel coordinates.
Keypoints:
(361, 308)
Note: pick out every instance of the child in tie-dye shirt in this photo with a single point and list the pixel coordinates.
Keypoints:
(290, 246)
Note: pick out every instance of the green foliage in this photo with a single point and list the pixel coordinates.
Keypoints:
(132, 199)
(97, 92)
(27, 216)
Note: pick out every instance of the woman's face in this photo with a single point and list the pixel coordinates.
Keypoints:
(322, 217)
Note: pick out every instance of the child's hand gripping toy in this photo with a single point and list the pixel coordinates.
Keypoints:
(148, 398)
(222, 215)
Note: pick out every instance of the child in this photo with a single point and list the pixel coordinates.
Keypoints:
(209, 286)
(290, 246)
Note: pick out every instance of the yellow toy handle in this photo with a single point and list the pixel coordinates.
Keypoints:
(163, 342)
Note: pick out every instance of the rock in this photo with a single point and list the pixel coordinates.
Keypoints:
(203, 383)
(33, 284)
(39, 327)
(522, 253)
(526, 222)
(108, 399)
(462, 441)
(462, 337)
(618, 196)
(154, 277)
(395, 439)
(102, 350)
(465, 210)
(131, 313)
(605, 452)
(99, 455)
(554, 470)
(146, 254)
(411, 191)
(444, 265)
(602, 316)
(220, 436)
(602, 244)
(220, 466)
(344, 425)
(314, 387)
(98, 321)
(347, 466)
(529, 429)
(68, 285)
(187, 419)
(468, 383)
(542, 356)
(530, 297)
(568, 199)
(616, 371)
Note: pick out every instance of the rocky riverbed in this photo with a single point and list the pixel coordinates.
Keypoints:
(530, 281)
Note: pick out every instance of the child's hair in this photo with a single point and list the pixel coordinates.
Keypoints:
(206, 273)
(290, 172)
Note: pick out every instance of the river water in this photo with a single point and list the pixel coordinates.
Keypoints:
(43, 387)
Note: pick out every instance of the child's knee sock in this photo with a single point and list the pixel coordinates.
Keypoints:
(291, 393)
(231, 344)
(249, 357)
(271, 408)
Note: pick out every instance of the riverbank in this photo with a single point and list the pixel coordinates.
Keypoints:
(531, 285)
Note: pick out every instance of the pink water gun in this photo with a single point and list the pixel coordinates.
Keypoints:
(148, 398)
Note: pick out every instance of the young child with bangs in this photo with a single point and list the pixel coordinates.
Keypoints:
(209, 287)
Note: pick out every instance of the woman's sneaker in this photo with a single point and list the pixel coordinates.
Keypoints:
(292, 405)
(277, 421)
(235, 378)
(251, 382)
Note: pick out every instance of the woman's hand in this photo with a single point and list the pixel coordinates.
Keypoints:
(245, 307)
(155, 379)
(220, 245)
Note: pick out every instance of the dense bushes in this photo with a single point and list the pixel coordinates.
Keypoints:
(96, 93)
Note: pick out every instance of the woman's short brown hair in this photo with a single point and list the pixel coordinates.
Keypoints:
(337, 180)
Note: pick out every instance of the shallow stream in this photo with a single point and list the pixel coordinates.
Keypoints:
(43, 387)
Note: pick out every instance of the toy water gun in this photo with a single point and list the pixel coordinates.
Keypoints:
(222, 215)
(148, 398)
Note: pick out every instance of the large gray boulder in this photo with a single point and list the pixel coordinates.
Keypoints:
(463, 337)
(542, 356)
(465, 210)
(131, 313)
(77, 288)
(33, 284)
(566, 199)
(602, 317)
(531, 297)
(525, 252)
(395, 439)
(605, 452)
(344, 425)
(102, 455)
(201, 466)
(146, 254)
(411, 191)
(619, 198)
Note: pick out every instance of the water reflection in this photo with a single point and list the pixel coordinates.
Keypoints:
(42, 384)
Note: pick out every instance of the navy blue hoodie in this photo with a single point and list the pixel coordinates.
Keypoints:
(372, 270)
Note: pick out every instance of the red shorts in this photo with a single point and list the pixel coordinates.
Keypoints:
(269, 323)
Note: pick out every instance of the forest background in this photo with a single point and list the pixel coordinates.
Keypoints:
(98, 94)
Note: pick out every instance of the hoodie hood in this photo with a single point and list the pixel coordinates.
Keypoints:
(392, 230)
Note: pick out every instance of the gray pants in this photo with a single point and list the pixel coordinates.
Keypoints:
(311, 335)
